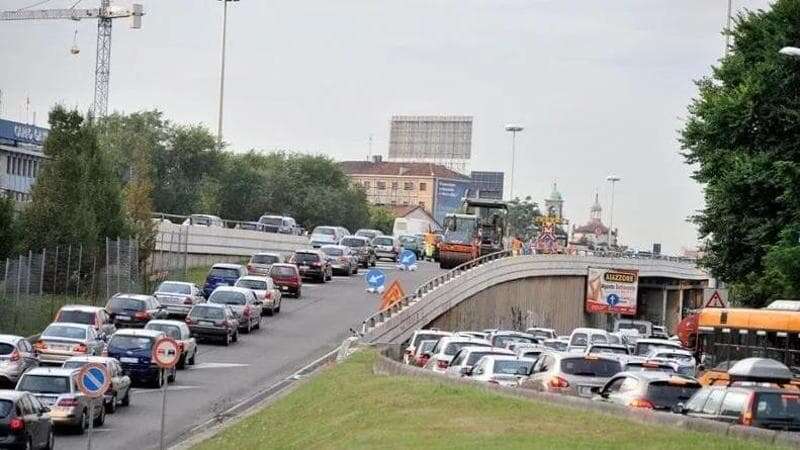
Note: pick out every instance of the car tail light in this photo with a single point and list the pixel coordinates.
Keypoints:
(423, 360)
(747, 416)
(221, 323)
(180, 347)
(641, 403)
(188, 301)
(247, 311)
(316, 264)
(16, 425)
(15, 356)
(249, 267)
(142, 315)
(268, 295)
(493, 381)
(67, 402)
(442, 364)
(80, 348)
(558, 383)
(40, 345)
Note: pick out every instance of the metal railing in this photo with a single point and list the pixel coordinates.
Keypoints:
(384, 314)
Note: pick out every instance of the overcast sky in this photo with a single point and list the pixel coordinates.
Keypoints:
(601, 86)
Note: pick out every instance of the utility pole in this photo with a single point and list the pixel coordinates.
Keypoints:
(728, 28)
(613, 180)
(222, 70)
(513, 129)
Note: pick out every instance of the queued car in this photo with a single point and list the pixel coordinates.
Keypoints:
(571, 373)
(222, 274)
(178, 297)
(543, 333)
(421, 335)
(57, 389)
(502, 338)
(368, 233)
(326, 235)
(532, 352)
(61, 341)
(180, 332)
(261, 263)
(683, 358)
(386, 247)
(265, 291)
(279, 224)
(287, 278)
(557, 344)
(412, 243)
(447, 347)
(204, 220)
(649, 390)
(422, 353)
(608, 349)
(502, 370)
(243, 303)
(464, 360)
(134, 310)
(25, 422)
(95, 316)
(341, 259)
(642, 364)
(645, 347)
(313, 264)
(580, 338)
(133, 348)
(119, 390)
(16, 357)
(758, 406)
(213, 321)
(250, 226)
(361, 248)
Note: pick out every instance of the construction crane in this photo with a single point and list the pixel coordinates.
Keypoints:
(105, 14)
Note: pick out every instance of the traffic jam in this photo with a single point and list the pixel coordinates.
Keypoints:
(719, 366)
(86, 364)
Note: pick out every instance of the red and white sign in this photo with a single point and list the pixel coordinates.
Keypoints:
(93, 380)
(612, 291)
(166, 352)
(715, 298)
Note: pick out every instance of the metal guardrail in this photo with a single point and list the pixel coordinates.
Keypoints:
(383, 315)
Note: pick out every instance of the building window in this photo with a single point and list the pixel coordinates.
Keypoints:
(423, 186)
(408, 185)
(381, 185)
(394, 185)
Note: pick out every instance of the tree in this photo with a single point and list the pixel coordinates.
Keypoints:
(522, 216)
(381, 219)
(9, 232)
(743, 136)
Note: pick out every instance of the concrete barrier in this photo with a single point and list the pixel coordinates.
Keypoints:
(195, 240)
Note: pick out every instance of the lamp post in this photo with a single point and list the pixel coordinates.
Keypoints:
(613, 180)
(222, 69)
(513, 129)
(790, 51)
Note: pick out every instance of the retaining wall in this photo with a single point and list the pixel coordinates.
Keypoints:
(200, 240)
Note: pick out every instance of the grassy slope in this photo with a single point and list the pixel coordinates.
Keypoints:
(348, 407)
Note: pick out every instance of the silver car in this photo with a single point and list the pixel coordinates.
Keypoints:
(261, 263)
(119, 391)
(242, 302)
(178, 297)
(57, 389)
(265, 290)
(571, 373)
(180, 332)
(16, 357)
(61, 341)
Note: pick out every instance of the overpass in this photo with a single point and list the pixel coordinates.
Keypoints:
(504, 291)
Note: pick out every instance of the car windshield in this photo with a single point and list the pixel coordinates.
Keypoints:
(512, 367)
(367, 234)
(201, 220)
(306, 257)
(426, 346)
(265, 259)
(680, 357)
(124, 342)
(556, 345)
(271, 220)
(227, 298)
(73, 316)
(5, 408)
(223, 272)
(174, 288)
(425, 337)
(252, 284)
(63, 331)
(453, 347)
(125, 304)
(475, 356)
(44, 384)
(324, 230)
(383, 241)
(354, 242)
(585, 367)
(579, 340)
(501, 341)
(332, 251)
(459, 229)
(204, 312)
(542, 334)
(6, 349)
(778, 407)
(671, 393)
(282, 272)
(598, 338)
(172, 331)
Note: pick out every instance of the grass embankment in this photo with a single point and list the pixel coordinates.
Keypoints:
(348, 407)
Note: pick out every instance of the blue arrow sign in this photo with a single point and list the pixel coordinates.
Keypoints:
(93, 380)
(612, 299)
(408, 258)
(375, 278)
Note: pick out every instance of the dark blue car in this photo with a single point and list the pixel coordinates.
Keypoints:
(222, 275)
(133, 349)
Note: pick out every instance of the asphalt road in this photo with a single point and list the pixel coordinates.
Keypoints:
(305, 329)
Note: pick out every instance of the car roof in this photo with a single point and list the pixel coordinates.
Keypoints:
(511, 357)
(284, 265)
(266, 254)
(87, 308)
(177, 282)
(51, 371)
(360, 238)
(210, 305)
(227, 266)
(384, 236)
(141, 332)
(92, 359)
(475, 348)
(602, 344)
(10, 338)
(655, 375)
(659, 341)
(589, 330)
(760, 368)
(166, 322)
(336, 246)
(132, 296)
(254, 278)
(8, 394)
(240, 290)
(71, 324)
(464, 340)
(436, 332)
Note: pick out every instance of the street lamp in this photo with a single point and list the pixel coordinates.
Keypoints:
(613, 180)
(513, 129)
(790, 51)
(222, 69)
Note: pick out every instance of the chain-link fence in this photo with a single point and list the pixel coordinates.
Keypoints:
(35, 285)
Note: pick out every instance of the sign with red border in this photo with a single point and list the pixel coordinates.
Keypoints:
(611, 291)
(93, 380)
(166, 352)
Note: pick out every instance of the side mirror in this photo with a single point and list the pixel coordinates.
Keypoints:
(604, 394)
(679, 408)
(465, 371)
(44, 410)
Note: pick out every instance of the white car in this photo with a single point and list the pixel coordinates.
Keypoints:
(583, 337)
(544, 333)
(684, 359)
(419, 336)
(502, 370)
(265, 291)
(465, 359)
(447, 347)
(646, 346)
(326, 235)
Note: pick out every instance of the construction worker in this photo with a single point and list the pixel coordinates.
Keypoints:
(516, 246)
(430, 244)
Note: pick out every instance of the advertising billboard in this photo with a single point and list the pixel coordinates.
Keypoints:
(449, 194)
(430, 138)
(611, 291)
(15, 132)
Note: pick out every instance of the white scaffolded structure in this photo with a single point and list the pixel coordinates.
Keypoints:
(444, 140)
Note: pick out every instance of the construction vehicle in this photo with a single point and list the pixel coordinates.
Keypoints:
(477, 230)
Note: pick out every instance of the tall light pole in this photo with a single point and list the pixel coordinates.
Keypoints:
(613, 180)
(513, 129)
(222, 69)
(728, 27)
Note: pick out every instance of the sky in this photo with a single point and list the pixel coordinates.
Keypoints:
(601, 87)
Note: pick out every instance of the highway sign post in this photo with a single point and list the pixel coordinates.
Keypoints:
(376, 280)
(93, 381)
(408, 260)
(715, 298)
(166, 353)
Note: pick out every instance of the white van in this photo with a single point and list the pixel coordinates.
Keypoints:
(581, 338)
(405, 225)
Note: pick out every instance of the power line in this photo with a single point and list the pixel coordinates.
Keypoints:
(34, 5)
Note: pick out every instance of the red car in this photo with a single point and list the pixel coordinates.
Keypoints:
(287, 278)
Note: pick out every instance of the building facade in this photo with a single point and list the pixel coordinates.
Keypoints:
(443, 140)
(21, 158)
(488, 184)
(593, 234)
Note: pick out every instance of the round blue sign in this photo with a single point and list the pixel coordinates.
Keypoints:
(375, 278)
(93, 380)
(612, 299)
(408, 258)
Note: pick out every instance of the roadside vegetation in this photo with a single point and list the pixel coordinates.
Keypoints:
(348, 407)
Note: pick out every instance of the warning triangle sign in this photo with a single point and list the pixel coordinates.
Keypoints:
(715, 301)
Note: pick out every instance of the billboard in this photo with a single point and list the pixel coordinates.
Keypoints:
(488, 184)
(449, 194)
(430, 138)
(611, 291)
(15, 132)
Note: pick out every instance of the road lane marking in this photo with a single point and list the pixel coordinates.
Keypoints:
(212, 365)
(170, 389)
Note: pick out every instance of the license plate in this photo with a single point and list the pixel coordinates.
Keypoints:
(206, 324)
(123, 318)
(585, 391)
(284, 288)
(129, 360)
(61, 347)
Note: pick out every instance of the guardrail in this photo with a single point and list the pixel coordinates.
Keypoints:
(384, 314)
